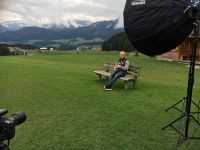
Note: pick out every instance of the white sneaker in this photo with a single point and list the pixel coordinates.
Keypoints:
(108, 89)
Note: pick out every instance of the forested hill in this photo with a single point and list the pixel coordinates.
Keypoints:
(118, 42)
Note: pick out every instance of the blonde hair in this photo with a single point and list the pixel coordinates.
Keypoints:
(123, 52)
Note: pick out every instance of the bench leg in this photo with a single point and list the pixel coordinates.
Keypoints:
(125, 85)
(134, 82)
(100, 76)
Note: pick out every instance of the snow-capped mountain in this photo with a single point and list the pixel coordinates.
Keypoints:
(70, 24)
(50, 33)
(105, 24)
(3, 29)
(67, 24)
(14, 25)
(53, 26)
(78, 23)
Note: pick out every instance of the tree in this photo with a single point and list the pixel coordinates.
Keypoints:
(118, 42)
(4, 50)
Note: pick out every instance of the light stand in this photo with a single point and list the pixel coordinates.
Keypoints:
(187, 115)
(182, 101)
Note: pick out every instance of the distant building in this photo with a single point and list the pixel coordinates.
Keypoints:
(51, 49)
(47, 49)
(17, 51)
(85, 48)
(43, 48)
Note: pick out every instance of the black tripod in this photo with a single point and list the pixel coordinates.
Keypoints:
(4, 146)
(187, 115)
(183, 102)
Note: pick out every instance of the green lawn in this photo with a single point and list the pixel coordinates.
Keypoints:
(68, 109)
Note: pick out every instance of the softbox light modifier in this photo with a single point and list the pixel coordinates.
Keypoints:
(155, 27)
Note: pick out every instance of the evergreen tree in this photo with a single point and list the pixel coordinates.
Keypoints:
(4, 50)
(117, 43)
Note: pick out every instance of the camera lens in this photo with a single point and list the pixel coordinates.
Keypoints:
(3, 112)
(18, 117)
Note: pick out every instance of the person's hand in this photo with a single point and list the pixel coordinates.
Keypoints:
(118, 66)
(115, 67)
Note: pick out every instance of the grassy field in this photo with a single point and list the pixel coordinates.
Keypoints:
(79, 42)
(68, 109)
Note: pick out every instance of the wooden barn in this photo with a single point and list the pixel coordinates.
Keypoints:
(182, 52)
(185, 50)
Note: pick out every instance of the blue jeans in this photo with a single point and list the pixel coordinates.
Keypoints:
(114, 76)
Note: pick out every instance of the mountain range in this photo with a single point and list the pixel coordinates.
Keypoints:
(71, 34)
(16, 25)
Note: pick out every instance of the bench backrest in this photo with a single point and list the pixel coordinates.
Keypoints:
(133, 70)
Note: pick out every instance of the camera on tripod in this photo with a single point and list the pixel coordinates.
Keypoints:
(7, 126)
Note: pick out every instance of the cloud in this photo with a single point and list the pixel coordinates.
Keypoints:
(59, 11)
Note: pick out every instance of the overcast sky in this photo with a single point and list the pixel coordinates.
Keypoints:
(36, 12)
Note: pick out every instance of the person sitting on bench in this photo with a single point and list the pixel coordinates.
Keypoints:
(120, 70)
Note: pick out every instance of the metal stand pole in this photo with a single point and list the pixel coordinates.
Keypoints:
(187, 114)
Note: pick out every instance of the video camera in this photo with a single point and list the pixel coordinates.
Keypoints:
(7, 126)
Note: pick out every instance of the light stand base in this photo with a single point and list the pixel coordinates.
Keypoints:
(178, 119)
(183, 138)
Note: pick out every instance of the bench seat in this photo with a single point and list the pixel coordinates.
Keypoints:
(132, 75)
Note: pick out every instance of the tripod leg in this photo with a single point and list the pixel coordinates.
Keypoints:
(196, 120)
(173, 122)
(174, 105)
(195, 112)
(178, 110)
(195, 104)
(175, 129)
(180, 141)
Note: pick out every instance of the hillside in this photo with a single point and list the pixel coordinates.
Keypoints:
(117, 43)
(93, 34)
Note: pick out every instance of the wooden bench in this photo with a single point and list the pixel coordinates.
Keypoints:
(131, 77)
